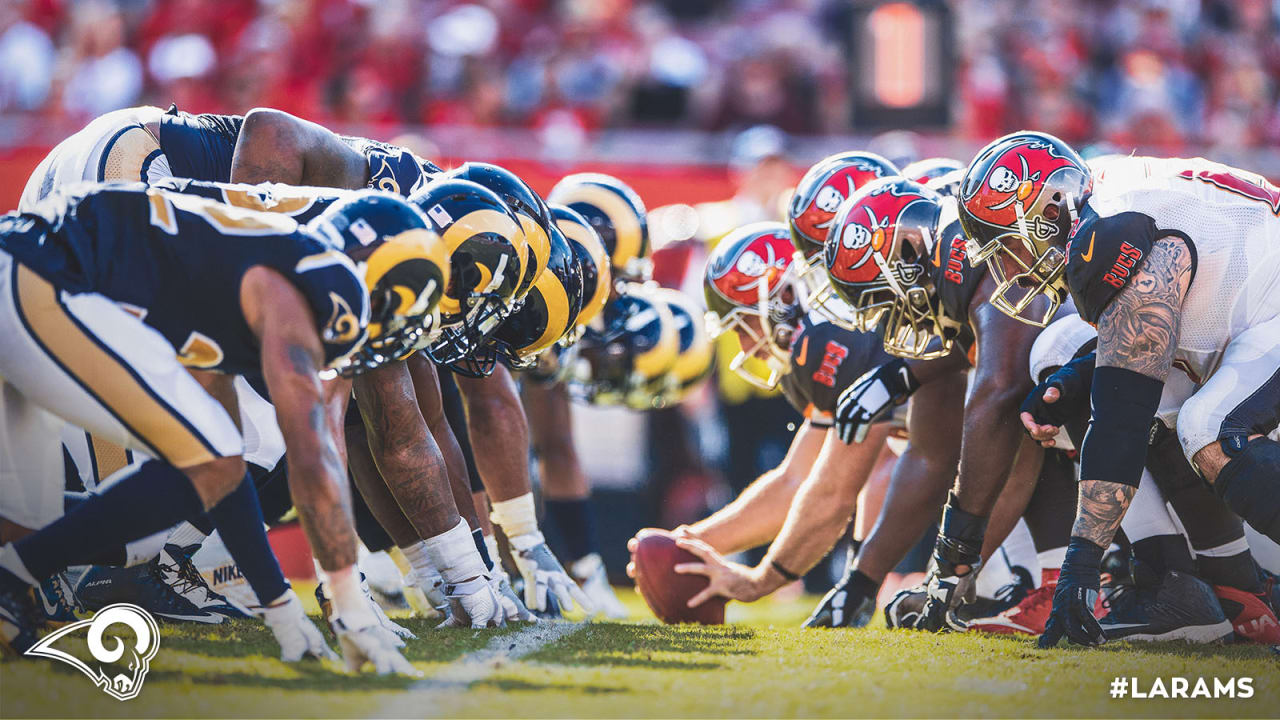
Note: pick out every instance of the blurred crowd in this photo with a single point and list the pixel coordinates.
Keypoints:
(1159, 73)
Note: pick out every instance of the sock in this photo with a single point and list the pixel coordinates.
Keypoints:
(1231, 565)
(1162, 553)
(144, 550)
(187, 534)
(153, 497)
(238, 519)
(477, 535)
(576, 521)
(491, 544)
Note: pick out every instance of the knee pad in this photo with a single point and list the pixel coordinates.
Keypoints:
(1250, 485)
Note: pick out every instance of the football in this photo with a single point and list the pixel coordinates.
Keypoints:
(664, 590)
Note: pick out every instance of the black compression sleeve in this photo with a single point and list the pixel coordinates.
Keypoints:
(1115, 447)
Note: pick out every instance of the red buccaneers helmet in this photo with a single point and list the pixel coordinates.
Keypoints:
(876, 258)
(749, 286)
(813, 207)
(1018, 201)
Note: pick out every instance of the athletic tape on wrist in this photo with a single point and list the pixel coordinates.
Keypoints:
(453, 554)
(517, 516)
(349, 602)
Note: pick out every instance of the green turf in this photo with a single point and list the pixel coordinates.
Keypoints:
(762, 665)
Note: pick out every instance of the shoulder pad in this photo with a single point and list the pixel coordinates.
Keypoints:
(954, 278)
(827, 359)
(1103, 254)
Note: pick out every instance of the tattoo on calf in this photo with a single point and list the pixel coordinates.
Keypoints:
(1102, 505)
(1139, 329)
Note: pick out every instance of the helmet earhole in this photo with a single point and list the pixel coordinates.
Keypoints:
(1051, 211)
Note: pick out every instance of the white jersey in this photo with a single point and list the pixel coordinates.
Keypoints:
(1230, 217)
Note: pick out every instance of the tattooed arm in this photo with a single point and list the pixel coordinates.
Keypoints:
(292, 357)
(275, 146)
(1137, 332)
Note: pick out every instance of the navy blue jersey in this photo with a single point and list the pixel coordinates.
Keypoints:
(200, 147)
(956, 282)
(300, 204)
(177, 261)
(826, 359)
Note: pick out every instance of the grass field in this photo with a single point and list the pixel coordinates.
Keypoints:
(762, 665)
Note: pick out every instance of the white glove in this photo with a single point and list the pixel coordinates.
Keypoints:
(512, 609)
(473, 603)
(400, 632)
(432, 586)
(543, 573)
(871, 397)
(372, 644)
(297, 635)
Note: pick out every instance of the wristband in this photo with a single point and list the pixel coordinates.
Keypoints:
(349, 602)
(962, 530)
(453, 554)
(517, 516)
(785, 573)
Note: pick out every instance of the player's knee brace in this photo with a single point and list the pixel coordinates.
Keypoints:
(1250, 485)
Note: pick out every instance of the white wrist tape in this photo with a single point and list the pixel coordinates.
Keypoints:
(349, 602)
(516, 516)
(526, 541)
(453, 554)
(283, 609)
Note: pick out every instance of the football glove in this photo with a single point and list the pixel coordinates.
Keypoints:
(871, 397)
(297, 635)
(371, 644)
(843, 607)
(473, 603)
(1076, 597)
(544, 574)
(906, 607)
(1074, 382)
(959, 545)
(513, 610)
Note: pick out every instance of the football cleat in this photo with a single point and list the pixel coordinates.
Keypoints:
(57, 600)
(1029, 616)
(1251, 616)
(142, 585)
(590, 574)
(384, 578)
(20, 617)
(1176, 607)
(179, 572)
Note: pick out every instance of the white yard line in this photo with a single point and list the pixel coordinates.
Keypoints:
(431, 695)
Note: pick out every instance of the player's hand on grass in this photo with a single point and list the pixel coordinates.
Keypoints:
(840, 608)
(1075, 598)
(725, 577)
(945, 595)
(372, 644)
(473, 603)
(513, 610)
(297, 635)
(543, 574)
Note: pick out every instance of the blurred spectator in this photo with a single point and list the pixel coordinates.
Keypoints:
(1162, 74)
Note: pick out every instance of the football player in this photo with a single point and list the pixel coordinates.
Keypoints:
(896, 254)
(1127, 251)
(1170, 601)
(804, 504)
(99, 287)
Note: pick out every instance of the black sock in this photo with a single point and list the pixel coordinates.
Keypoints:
(1051, 509)
(576, 521)
(1236, 571)
(477, 536)
(1161, 553)
(154, 497)
(238, 519)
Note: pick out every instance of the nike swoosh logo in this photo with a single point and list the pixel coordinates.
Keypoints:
(1122, 626)
(937, 252)
(50, 610)
(1087, 255)
(906, 377)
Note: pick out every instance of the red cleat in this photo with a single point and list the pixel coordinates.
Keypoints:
(1027, 617)
(1250, 614)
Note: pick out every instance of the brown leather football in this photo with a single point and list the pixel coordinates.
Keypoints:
(666, 591)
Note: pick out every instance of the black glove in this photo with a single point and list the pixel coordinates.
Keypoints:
(1074, 382)
(851, 603)
(872, 396)
(959, 544)
(1076, 596)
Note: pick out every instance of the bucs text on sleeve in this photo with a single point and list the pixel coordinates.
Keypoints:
(825, 359)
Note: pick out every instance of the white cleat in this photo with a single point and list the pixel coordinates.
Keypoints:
(590, 573)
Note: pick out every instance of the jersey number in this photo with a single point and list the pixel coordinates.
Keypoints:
(225, 219)
(200, 351)
(831, 359)
(1254, 189)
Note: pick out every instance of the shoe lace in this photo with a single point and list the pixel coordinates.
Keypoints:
(187, 578)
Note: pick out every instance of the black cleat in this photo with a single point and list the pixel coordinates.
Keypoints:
(843, 607)
(57, 600)
(1178, 607)
(20, 618)
(179, 572)
(142, 585)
